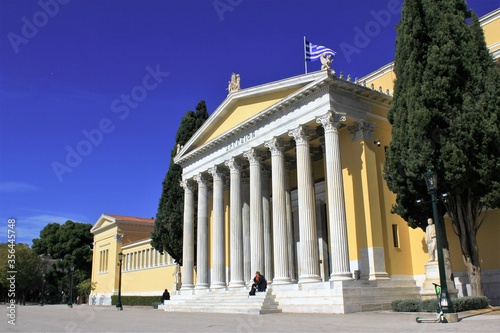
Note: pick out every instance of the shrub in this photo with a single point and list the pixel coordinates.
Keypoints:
(431, 305)
(136, 300)
(470, 303)
(405, 305)
(428, 305)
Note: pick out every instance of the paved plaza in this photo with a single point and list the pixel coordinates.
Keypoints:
(83, 318)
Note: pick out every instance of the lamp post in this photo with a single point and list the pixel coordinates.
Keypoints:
(119, 303)
(43, 291)
(70, 302)
(445, 300)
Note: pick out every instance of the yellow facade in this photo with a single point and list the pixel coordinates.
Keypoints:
(145, 272)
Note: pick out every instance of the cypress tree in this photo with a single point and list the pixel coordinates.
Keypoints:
(168, 227)
(445, 117)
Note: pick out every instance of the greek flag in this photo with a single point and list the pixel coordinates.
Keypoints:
(313, 52)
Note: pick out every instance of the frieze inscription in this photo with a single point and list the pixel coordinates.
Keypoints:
(240, 141)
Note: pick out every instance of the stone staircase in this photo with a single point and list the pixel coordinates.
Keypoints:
(343, 296)
(321, 297)
(229, 300)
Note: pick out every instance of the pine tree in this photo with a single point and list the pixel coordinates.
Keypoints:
(406, 113)
(445, 117)
(168, 227)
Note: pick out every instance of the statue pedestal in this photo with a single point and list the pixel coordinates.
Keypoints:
(432, 276)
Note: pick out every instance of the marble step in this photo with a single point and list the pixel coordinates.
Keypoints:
(227, 301)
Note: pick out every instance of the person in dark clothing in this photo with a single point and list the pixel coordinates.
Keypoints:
(259, 282)
(165, 296)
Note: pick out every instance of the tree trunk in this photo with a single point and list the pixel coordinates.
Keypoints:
(465, 222)
(447, 267)
(475, 280)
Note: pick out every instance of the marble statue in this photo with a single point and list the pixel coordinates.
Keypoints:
(430, 239)
(326, 61)
(177, 274)
(234, 84)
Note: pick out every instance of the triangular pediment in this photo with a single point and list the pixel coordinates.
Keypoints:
(103, 222)
(106, 221)
(242, 105)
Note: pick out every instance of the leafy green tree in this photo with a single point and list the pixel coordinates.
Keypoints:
(85, 287)
(28, 267)
(168, 227)
(70, 245)
(445, 117)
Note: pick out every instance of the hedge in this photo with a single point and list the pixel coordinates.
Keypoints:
(431, 305)
(136, 300)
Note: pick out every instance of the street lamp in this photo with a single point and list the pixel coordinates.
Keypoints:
(43, 291)
(119, 303)
(70, 302)
(445, 300)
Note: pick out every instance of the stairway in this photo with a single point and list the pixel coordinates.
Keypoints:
(343, 296)
(230, 300)
(321, 297)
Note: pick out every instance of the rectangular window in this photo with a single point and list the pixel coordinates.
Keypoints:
(102, 261)
(106, 258)
(395, 235)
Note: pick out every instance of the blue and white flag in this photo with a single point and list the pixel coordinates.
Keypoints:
(314, 52)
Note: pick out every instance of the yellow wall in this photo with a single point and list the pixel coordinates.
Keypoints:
(492, 34)
(153, 276)
(487, 240)
(105, 280)
(351, 172)
(386, 81)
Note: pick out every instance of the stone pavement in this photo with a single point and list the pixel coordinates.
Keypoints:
(83, 318)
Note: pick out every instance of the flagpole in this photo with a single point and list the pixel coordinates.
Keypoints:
(305, 57)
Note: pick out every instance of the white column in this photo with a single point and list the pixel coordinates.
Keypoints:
(289, 226)
(245, 212)
(218, 255)
(202, 237)
(256, 223)
(188, 236)
(267, 223)
(280, 236)
(337, 221)
(235, 224)
(309, 260)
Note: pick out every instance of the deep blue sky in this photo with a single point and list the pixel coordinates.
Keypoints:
(67, 71)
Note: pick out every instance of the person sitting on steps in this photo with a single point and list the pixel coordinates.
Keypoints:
(165, 296)
(259, 282)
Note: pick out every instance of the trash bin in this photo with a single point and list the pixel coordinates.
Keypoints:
(155, 305)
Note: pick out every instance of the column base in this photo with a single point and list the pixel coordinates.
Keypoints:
(218, 285)
(237, 284)
(202, 286)
(309, 279)
(187, 286)
(285, 280)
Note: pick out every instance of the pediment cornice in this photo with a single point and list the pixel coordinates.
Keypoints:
(324, 80)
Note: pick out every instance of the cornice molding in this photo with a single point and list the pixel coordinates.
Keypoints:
(286, 105)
